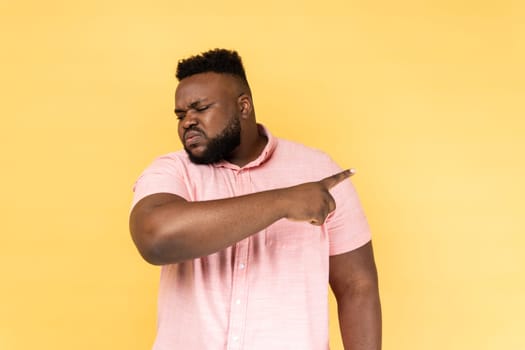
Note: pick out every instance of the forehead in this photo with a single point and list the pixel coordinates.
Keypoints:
(209, 86)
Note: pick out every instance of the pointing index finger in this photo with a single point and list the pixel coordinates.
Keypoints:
(333, 180)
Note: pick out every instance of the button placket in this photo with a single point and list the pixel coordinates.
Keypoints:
(238, 298)
(239, 286)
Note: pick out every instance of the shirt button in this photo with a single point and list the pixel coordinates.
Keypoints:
(235, 338)
(241, 266)
(238, 301)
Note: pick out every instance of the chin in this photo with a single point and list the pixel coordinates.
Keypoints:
(197, 152)
(198, 157)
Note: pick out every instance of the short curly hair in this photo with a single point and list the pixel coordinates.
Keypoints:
(216, 60)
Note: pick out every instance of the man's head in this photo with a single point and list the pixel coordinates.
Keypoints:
(220, 61)
(212, 101)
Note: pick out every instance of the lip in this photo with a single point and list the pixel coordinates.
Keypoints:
(192, 137)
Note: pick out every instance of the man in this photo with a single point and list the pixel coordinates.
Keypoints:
(246, 228)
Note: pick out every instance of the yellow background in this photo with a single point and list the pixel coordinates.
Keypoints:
(424, 98)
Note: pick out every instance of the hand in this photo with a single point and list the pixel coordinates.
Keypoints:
(312, 201)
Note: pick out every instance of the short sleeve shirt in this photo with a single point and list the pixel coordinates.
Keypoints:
(269, 290)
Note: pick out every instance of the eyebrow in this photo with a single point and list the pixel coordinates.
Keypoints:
(192, 105)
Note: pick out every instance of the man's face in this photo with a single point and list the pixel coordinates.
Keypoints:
(209, 121)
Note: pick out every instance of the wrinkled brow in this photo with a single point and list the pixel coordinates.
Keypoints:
(192, 105)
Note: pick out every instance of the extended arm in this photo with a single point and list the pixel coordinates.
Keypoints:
(168, 229)
(353, 278)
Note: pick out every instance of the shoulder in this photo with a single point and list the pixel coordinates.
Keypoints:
(177, 166)
(287, 147)
(169, 162)
(301, 163)
(165, 174)
(311, 160)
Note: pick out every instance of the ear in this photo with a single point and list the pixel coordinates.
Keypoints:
(245, 106)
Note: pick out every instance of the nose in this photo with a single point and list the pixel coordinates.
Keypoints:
(189, 120)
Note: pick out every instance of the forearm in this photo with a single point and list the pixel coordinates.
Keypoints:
(359, 313)
(168, 229)
(186, 230)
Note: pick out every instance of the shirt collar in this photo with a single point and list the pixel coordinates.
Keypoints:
(263, 157)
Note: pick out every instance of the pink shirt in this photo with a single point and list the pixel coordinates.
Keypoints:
(270, 290)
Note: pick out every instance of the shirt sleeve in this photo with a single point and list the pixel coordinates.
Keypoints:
(347, 225)
(164, 175)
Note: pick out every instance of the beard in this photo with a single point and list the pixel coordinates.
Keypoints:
(220, 146)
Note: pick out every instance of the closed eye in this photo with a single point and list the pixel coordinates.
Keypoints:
(181, 113)
(202, 108)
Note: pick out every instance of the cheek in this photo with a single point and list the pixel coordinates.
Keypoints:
(180, 130)
(209, 123)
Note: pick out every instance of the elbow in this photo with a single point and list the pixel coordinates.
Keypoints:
(158, 242)
(358, 288)
(146, 245)
(158, 248)
(358, 291)
(151, 254)
(161, 229)
(364, 289)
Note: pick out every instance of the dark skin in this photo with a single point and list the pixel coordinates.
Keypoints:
(167, 229)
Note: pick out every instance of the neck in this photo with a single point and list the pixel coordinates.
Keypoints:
(252, 145)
